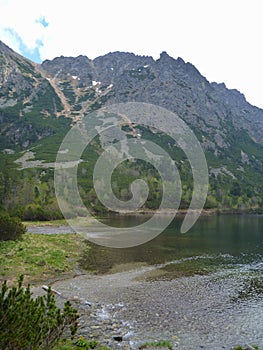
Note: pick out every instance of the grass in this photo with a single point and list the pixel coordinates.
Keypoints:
(40, 257)
(249, 347)
(81, 343)
(157, 344)
(61, 222)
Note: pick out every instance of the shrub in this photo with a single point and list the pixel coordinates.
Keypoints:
(10, 228)
(34, 212)
(30, 324)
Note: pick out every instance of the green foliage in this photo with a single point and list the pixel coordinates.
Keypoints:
(80, 343)
(35, 324)
(250, 347)
(10, 228)
(35, 212)
(161, 343)
(31, 195)
(40, 256)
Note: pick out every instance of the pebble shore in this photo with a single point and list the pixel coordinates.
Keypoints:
(192, 313)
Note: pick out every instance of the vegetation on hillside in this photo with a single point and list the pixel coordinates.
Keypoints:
(30, 195)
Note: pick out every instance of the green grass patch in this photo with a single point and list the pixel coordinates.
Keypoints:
(80, 343)
(61, 222)
(40, 257)
(247, 347)
(157, 344)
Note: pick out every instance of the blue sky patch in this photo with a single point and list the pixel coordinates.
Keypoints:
(43, 21)
(34, 54)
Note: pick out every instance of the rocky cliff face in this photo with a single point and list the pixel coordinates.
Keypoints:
(39, 103)
(21, 82)
(73, 86)
(36, 100)
(178, 86)
(27, 99)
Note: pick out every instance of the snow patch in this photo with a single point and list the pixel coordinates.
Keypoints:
(94, 83)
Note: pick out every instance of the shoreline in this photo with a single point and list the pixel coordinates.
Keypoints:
(149, 212)
(183, 311)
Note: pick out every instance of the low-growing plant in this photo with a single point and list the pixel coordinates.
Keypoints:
(80, 343)
(28, 323)
(248, 347)
(10, 228)
(160, 343)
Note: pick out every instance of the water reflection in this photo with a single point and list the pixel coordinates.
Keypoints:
(229, 239)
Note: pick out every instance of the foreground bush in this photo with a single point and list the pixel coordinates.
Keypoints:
(10, 228)
(32, 324)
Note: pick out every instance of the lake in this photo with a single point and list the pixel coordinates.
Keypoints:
(211, 294)
(200, 290)
(215, 241)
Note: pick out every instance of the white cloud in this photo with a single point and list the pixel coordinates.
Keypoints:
(221, 38)
(20, 17)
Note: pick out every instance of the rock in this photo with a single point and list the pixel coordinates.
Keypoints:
(118, 338)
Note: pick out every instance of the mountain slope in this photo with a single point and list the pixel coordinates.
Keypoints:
(29, 105)
(39, 102)
(167, 82)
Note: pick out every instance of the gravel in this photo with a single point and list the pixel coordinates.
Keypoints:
(197, 312)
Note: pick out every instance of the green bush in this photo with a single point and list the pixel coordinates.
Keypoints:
(10, 228)
(32, 324)
(34, 212)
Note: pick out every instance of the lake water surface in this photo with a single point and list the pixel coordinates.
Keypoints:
(214, 240)
(204, 287)
(212, 291)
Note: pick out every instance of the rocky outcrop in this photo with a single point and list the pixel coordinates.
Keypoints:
(33, 97)
(171, 83)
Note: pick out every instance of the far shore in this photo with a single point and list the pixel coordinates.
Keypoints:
(146, 212)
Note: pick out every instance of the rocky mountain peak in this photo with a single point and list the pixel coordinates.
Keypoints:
(82, 84)
(40, 101)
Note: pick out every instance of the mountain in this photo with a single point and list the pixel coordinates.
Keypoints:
(38, 103)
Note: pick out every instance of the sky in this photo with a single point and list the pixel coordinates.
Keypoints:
(221, 38)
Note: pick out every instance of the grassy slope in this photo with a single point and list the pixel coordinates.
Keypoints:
(40, 257)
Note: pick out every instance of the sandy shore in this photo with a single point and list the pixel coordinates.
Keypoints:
(193, 313)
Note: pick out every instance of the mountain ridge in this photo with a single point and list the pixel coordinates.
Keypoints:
(103, 69)
(39, 103)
